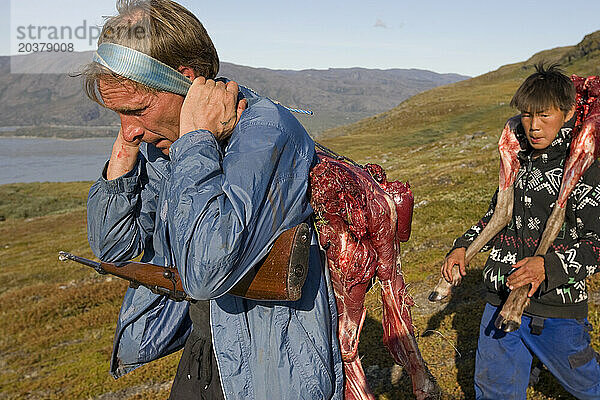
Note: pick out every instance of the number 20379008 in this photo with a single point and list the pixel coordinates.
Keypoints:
(38, 47)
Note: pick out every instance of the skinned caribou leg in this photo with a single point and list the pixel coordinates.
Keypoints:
(398, 334)
(500, 218)
(352, 315)
(508, 146)
(584, 150)
(344, 251)
(352, 213)
(398, 331)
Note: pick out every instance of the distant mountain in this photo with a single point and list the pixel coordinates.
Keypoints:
(481, 103)
(338, 96)
(52, 103)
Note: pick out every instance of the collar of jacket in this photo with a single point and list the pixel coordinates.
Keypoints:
(558, 149)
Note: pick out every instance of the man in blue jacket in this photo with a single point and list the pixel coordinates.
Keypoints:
(202, 181)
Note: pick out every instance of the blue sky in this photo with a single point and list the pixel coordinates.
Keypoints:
(467, 37)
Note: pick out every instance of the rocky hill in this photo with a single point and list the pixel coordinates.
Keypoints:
(53, 104)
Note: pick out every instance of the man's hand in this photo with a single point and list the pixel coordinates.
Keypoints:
(124, 156)
(211, 106)
(529, 270)
(457, 257)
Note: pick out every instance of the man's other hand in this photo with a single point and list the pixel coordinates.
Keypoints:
(211, 106)
(124, 155)
(457, 257)
(529, 270)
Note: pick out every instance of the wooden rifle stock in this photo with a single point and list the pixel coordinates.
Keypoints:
(279, 276)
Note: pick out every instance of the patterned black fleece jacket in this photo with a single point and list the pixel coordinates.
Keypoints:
(574, 255)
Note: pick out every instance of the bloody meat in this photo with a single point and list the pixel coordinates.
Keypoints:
(361, 219)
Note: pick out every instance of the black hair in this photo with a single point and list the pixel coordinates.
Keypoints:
(547, 88)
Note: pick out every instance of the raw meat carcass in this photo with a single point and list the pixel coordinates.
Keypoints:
(361, 219)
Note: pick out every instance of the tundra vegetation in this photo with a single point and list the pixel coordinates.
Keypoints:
(57, 319)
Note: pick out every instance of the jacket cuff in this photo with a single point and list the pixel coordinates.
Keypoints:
(458, 243)
(126, 183)
(555, 273)
(190, 140)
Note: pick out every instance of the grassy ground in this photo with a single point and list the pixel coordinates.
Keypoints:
(57, 319)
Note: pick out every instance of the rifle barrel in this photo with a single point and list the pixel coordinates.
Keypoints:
(63, 256)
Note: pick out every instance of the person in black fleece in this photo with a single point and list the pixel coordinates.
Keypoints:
(554, 327)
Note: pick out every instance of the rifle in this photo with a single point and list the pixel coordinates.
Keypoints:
(279, 276)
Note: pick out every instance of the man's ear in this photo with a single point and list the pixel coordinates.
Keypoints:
(187, 71)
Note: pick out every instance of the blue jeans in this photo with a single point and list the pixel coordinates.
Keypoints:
(503, 360)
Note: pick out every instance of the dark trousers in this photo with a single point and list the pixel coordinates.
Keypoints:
(197, 376)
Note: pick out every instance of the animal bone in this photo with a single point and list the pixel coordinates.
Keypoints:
(509, 147)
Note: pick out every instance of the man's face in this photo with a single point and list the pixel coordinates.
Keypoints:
(145, 117)
(542, 127)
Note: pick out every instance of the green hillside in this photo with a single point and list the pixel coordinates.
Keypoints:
(57, 319)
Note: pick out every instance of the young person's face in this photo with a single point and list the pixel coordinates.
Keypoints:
(542, 127)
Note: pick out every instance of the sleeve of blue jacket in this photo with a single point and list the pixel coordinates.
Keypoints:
(225, 209)
(121, 213)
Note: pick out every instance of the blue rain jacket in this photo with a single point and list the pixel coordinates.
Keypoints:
(214, 210)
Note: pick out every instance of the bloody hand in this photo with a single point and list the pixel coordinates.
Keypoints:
(123, 157)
